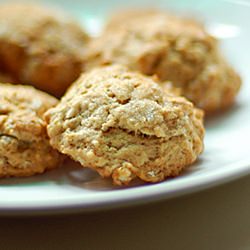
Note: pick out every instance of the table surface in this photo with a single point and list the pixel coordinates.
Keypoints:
(213, 219)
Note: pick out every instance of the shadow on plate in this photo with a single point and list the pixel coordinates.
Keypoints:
(70, 173)
(222, 117)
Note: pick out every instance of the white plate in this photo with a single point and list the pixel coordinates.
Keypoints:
(227, 142)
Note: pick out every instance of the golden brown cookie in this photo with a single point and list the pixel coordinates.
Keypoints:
(40, 46)
(123, 125)
(24, 143)
(175, 49)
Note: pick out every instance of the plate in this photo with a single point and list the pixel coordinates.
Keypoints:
(227, 143)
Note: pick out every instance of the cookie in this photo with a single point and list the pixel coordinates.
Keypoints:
(173, 48)
(4, 78)
(24, 143)
(123, 125)
(40, 46)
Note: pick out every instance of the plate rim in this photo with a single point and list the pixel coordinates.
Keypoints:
(153, 193)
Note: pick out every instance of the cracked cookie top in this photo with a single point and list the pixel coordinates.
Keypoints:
(123, 125)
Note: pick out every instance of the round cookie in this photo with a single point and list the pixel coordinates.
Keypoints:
(40, 46)
(24, 143)
(175, 49)
(122, 124)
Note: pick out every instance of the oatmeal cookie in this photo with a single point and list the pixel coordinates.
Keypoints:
(24, 143)
(175, 49)
(123, 125)
(40, 46)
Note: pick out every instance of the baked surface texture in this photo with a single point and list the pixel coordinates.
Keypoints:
(24, 143)
(40, 46)
(123, 125)
(173, 48)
